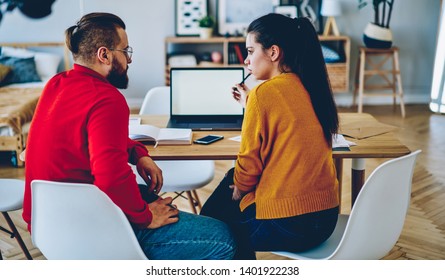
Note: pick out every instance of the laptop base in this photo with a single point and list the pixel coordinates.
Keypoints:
(205, 126)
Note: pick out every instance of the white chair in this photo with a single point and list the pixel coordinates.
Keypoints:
(180, 175)
(11, 199)
(72, 221)
(376, 220)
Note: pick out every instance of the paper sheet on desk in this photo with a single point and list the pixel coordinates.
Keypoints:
(339, 143)
(359, 131)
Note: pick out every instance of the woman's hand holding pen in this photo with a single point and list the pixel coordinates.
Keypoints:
(240, 93)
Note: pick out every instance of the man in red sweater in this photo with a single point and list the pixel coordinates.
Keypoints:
(79, 133)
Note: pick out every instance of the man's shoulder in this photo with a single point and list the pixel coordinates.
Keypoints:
(85, 87)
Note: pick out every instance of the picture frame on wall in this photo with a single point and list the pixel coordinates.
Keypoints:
(311, 9)
(289, 11)
(187, 15)
(234, 16)
(307, 8)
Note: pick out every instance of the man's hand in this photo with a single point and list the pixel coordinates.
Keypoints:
(151, 174)
(163, 212)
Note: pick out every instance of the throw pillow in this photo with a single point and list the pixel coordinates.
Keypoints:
(4, 71)
(329, 54)
(47, 64)
(16, 52)
(23, 70)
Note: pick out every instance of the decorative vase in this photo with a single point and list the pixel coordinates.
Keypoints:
(377, 37)
(205, 32)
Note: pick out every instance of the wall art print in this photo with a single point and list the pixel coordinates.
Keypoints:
(234, 16)
(188, 12)
(307, 8)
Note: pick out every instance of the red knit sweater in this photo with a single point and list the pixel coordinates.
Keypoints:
(79, 133)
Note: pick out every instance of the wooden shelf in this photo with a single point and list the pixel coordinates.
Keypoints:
(197, 40)
(338, 72)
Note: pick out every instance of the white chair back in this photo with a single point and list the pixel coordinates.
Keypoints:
(180, 175)
(11, 194)
(11, 199)
(156, 101)
(377, 218)
(79, 221)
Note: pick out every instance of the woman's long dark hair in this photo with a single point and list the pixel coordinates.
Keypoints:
(302, 53)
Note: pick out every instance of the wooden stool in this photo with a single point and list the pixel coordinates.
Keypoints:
(368, 66)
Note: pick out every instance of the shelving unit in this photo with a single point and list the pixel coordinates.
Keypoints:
(338, 72)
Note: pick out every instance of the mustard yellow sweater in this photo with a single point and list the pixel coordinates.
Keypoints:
(284, 163)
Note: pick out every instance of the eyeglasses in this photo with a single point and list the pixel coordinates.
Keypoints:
(128, 52)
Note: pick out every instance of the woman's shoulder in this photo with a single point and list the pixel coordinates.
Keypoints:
(279, 81)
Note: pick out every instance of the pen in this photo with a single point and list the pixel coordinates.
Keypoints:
(245, 78)
(172, 206)
(242, 82)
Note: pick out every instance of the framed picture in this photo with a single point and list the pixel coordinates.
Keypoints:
(311, 9)
(290, 11)
(289, 2)
(306, 8)
(234, 16)
(188, 13)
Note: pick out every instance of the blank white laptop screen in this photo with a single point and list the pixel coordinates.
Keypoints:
(204, 91)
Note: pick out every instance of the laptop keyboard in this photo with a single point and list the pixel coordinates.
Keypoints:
(207, 125)
(203, 122)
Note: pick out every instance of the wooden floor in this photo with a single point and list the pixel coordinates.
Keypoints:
(423, 236)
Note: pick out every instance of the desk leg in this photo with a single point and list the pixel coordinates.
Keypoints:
(339, 169)
(357, 178)
(361, 85)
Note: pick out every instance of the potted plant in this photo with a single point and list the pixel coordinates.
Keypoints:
(206, 25)
(377, 34)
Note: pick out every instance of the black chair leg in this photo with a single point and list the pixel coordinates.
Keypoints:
(17, 236)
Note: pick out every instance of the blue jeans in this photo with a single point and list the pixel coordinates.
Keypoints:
(193, 237)
(296, 233)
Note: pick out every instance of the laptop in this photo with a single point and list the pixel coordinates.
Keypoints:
(201, 98)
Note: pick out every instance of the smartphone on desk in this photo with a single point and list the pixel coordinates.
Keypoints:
(208, 139)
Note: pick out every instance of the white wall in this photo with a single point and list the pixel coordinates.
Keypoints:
(147, 21)
(414, 24)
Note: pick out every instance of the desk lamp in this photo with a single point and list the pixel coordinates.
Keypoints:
(330, 9)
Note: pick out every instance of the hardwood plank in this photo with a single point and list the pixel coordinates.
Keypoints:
(423, 236)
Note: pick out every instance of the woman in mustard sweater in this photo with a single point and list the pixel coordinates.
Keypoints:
(283, 192)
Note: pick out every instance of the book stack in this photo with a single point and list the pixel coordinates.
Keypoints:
(237, 53)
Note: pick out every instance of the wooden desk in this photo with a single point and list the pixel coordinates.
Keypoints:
(381, 146)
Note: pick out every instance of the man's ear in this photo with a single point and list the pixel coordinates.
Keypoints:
(103, 55)
(274, 53)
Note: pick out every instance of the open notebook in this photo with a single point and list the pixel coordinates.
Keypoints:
(201, 98)
(160, 136)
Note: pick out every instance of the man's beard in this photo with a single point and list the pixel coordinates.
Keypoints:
(118, 76)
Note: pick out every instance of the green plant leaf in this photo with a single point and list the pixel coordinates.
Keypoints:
(206, 21)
